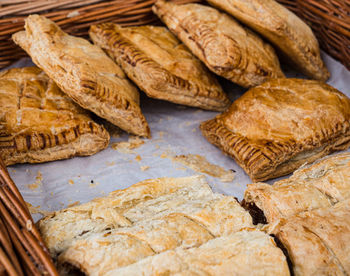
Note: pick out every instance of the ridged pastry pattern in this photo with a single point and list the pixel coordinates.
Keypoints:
(84, 72)
(280, 125)
(226, 47)
(160, 65)
(39, 123)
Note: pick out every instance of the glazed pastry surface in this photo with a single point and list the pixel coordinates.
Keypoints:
(226, 47)
(149, 218)
(283, 28)
(160, 65)
(280, 125)
(322, 184)
(318, 241)
(84, 72)
(39, 123)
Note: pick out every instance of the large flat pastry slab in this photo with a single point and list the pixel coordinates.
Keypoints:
(318, 241)
(84, 72)
(160, 65)
(320, 185)
(283, 28)
(144, 220)
(227, 48)
(39, 123)
(243, 253)
(280, 125)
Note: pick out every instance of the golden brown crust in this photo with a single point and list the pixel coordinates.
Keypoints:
(320, 185)
(84, 72)
(39, 123)
(160, 65)
(283, 28)
(280, 125)
(143, 220)
(318, 241)
(227, 48)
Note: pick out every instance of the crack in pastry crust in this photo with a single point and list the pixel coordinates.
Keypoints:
(278, 126)
(283, 28)
(227, 48)
(152, 218)
(84, 72)
(39, 123)
(161, 66)
(320, 185)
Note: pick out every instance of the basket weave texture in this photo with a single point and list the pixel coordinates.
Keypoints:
(330, 20)
(22, 250)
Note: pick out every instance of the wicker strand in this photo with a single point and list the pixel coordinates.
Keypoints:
(17, 230)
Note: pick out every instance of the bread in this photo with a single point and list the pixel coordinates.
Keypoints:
(84, 72)
(320, 185)
(144, 220)
(318, 241)
(39, 123)
(227, 48)
(160, 65)
(280, 125)
(284, 29)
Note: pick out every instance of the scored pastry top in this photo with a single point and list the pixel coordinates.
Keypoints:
(160, 65)
(226, 47)
(84, 72)
(38, 122)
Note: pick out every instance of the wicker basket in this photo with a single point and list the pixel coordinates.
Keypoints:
(330, 20)
(21, 248)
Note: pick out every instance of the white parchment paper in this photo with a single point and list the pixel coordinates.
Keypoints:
(175, 130)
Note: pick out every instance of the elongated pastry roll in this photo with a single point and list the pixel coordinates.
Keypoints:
(227, 48)
(146, 219)
(320, 185)
(276, 127)
(39, 123)
(160, 65)
(318, 241)
(284, 29)
(84, 72)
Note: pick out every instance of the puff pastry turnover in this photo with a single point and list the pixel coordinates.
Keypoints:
(39, 123)
(227, 48)
(84, 72)
(144, 220)
(318, 241)
(283, 28)
(322, 184)
(280, 125)
(160, 65)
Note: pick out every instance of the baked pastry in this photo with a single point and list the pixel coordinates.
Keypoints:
(280, 125)
(243, 253)
(320, 185)
(39, 123)
(160, 65)
(144, 220)
(84, 72)
(227, 48)
(283, 28)
(318, 241)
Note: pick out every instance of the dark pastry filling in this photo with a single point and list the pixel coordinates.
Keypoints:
(285, 252)
(69, 269)
(256, 213)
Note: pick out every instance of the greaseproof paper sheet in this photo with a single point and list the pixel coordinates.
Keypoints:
(175, 131)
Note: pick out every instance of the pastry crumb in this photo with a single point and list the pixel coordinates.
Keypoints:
(199, 163)
(37, 183)
(73, 204)
(73, 14)
(127, 147)
(138, 158)
(110, 163)
(37, 210)
(144, 168)
(71, 182)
